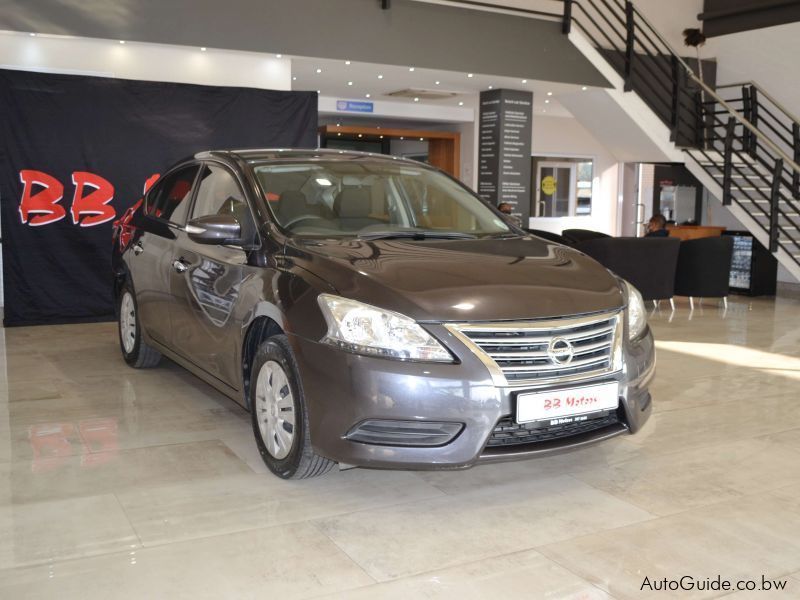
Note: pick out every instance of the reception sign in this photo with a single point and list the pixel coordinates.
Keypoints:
(78, 151)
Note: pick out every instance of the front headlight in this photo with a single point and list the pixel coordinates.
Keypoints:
(366, 329)
(637, 316)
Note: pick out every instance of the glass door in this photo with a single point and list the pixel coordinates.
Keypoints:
(555, 189)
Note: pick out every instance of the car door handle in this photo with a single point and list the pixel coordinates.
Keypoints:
(137, 248)
(180, 266)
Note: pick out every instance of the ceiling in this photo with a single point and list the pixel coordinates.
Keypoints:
(335, 75)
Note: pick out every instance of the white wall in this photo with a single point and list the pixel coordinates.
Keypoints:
(767, 56)
(152, 62)
(671, 17)
(565, 136)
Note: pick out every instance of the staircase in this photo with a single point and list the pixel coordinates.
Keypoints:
(740, 143)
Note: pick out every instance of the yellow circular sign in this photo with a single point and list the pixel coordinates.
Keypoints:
(549, 185)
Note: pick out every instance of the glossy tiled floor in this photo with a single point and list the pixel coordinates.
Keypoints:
(146, 484)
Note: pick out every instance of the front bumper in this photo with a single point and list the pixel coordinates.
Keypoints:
(342, 389)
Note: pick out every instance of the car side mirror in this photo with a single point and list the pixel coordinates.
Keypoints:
(215, 229)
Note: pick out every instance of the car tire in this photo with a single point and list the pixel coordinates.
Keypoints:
(279, 416)
(135, 350)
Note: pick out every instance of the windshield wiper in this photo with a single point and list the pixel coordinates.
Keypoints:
(416, 235)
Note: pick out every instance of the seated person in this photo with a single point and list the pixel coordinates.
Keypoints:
(508, 209)
(657, 227)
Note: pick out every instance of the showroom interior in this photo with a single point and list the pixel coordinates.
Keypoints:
(497, 204)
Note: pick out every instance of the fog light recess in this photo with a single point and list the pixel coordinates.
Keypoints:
(404, 433)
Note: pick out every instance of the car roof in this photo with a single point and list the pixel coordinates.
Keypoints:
(279, 154)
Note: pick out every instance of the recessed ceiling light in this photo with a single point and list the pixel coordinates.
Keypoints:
(524, 81)
(338, 124)
(32, 34)
(367, 95)
(319, 70)
(347, 62)
(421, 139)
(411, 69)
(122, 41)
(549, 93)
(279, 56)
(381, 137)
(438, 82)
(360, 135)
(490, 87)
(349, 83)
(339, 134)
(294, 78)
(470, 75)
(402, 138)
(461, 104)
(583, 88)
(416, 99)
(203, 49)
(380, 76)
(319, 91)
(547, 101)
(378, 127)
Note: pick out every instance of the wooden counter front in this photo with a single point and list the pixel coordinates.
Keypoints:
(692, 232)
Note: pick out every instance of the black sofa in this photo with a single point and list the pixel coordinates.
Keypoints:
(704, 268)
(548, 235)
(576, 236)
(648, 263)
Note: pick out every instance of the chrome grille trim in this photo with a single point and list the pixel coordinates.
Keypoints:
(516, 351)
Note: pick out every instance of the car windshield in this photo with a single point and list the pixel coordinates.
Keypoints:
(372, 199)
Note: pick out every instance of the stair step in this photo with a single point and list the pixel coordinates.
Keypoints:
(747, 170)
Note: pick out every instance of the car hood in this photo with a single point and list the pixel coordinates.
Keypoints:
(462, 280)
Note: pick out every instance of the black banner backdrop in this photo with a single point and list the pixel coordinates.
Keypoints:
(75, 153)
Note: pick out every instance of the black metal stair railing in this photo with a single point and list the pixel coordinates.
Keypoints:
(770, 116)
(748, 144)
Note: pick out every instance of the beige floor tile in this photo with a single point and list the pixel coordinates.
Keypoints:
(739, 539)
(789, 438)
(63, 529)
(243, 445)
(181, 457)
(779, 588)
(287, 562)
(119, 471)
(520, 575)
(680, 481)
(162, 514)
(700, 426)
(419, 536)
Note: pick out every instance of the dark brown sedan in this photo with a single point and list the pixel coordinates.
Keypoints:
(374, 312)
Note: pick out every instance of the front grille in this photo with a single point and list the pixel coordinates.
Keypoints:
(509, 433)
(520, 350)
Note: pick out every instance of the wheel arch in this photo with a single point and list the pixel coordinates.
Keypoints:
(261, 328)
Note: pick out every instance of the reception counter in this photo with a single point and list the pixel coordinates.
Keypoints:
(692, 232)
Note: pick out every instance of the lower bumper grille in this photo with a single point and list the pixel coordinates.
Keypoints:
(509, 433)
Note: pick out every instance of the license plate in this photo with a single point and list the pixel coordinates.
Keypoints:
(567, 405)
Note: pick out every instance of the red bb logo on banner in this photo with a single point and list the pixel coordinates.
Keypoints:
(90, 202)
(95, 203)
(42, 207)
